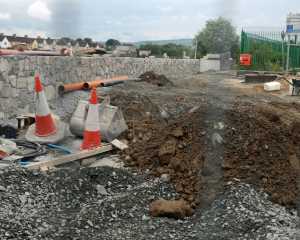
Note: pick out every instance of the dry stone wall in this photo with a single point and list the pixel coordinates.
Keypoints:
(17, 82)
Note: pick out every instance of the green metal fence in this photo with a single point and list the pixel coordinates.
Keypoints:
(269, 51)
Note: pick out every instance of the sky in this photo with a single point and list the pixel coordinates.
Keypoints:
(137, 20)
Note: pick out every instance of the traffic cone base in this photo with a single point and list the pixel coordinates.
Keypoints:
(91, 135)
(59, 135)
(91, 140)
(45, 129)
(46, 126)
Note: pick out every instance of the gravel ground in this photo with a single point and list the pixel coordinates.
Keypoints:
(243, 213)
(107, 203)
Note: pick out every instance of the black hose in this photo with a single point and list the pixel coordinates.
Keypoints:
(38, 150)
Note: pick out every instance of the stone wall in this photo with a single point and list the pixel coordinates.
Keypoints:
(17, 82)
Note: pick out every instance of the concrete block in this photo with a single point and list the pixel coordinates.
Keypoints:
(50, 92)
(30, 84)
(14, 92)
(272, 86)
(4, 65)
(13, 80)
(22, 83)
(5, 90)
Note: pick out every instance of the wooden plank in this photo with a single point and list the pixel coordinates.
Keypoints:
(69, 158)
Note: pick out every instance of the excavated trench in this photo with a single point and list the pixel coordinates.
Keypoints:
(199, 154)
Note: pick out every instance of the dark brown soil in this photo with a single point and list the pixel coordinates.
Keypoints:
(135, 107)
(156, 79)
(251, 144)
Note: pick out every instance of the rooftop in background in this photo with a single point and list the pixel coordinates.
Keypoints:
(62, 41)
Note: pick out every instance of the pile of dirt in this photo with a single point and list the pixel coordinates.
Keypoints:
(204, 149)
(135, 106)
(258, 148)
(156, 79)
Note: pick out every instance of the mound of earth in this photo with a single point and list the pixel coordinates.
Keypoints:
(135, 106)
(156, 79)
(203, 149)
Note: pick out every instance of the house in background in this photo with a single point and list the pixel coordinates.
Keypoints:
(47, 44)
(34, 45)
(125, 51)
(4, 43)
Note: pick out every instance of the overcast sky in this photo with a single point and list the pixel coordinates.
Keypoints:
(135, 20)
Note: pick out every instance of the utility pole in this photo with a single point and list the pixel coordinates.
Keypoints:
(196, 49)
(282, 49)
(288, 54)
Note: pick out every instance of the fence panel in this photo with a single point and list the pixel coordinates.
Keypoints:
(268, 51)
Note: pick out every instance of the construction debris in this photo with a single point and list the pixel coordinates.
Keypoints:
(46, 164)
(118, 144)
(7, 147)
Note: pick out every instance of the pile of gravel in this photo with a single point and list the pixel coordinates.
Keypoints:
(76, 204)
(243, 213)
(106, 203)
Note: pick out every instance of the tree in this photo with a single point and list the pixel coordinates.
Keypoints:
(88, 40)
(171, 49)
(218, 36)
(112, 43)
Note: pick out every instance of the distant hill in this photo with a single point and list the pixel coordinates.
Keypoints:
(185, 42)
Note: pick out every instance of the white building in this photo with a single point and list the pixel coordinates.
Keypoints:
(293, 26)
(4, 43)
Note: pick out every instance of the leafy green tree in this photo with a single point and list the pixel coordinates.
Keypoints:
(111, 44)
(171, 49)
(88, 40)
(218, 36)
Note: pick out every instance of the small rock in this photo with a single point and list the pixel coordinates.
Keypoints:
(165, 177)
(101, 190)
(2, 189)
(217, 139)
(145, 218)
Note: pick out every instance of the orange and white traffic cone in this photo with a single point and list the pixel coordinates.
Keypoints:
(44, 123)
(46, 129)
(91, 135)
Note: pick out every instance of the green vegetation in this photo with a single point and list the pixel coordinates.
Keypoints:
(185, 42)
(218, 36)
(111, 44)
(171, 49)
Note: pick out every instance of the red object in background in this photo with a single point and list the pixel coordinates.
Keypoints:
(245, 59)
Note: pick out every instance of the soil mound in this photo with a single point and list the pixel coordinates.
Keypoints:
(135, 107)
(156, 79)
